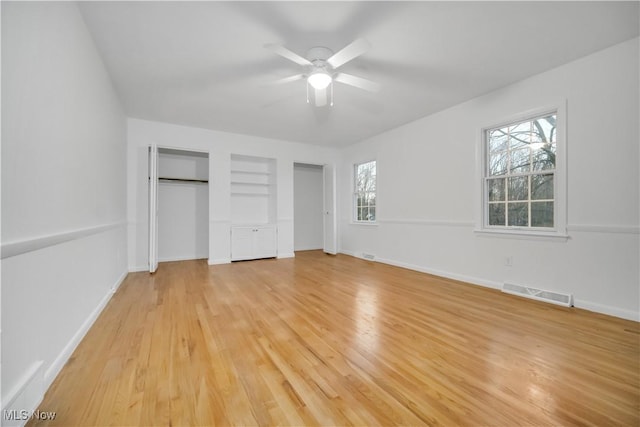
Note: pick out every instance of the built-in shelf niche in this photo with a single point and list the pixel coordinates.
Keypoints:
(253, 190)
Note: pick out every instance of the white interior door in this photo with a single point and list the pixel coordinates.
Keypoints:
(330, 224)
(153, 208)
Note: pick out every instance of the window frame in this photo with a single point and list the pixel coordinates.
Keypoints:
(559, 229)
(355, 193)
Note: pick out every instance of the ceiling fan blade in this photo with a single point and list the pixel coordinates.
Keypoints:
(358, 82)
(289, 79)
(321, 97)
(286, 53)
(356, 48)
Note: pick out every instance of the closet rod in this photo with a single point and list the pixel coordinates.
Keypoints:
(183, 180)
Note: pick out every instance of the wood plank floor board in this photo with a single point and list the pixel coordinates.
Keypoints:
(335, 340)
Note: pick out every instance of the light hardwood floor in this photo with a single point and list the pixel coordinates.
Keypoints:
(324, 340)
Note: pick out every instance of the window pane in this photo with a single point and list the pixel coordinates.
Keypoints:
(365, 190)
(369, 199)
(498, 163)
(498, 140)
(520, 173)
(544, 157)
(541, 187)
(519, 214)
(372, 214)
(544, 129)
(496, 214)
(520, 135)
(520, 160)
(518, 188)
(366, 177)
(496, 189)
(542, 214)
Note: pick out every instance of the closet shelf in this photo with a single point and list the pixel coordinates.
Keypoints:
(238, 193)
(250, 172)
(258, 184)
(183, 180)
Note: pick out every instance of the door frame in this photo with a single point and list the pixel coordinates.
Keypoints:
(153, 152)
(329, 213)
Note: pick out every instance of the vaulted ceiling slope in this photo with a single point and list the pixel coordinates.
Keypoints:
(204, 64)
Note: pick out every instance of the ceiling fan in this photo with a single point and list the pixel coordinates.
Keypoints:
(320, 69)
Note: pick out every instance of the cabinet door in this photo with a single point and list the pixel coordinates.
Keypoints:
(242, 243)
(265, 242)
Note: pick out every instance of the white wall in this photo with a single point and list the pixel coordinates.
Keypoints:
(220, 146)
(63, 193)
(427, 188)
(308, 219)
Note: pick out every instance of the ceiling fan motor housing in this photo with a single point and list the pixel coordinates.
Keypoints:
(318, 57)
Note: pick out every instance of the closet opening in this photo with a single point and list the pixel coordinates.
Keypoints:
(314, 222)
(307, 207)
(181, 193)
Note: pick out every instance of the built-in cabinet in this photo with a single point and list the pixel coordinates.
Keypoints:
(253, 208)
(253, 242)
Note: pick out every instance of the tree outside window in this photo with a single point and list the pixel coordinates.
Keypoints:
(365, 192)
(519, 174)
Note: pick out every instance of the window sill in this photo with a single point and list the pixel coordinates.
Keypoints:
(523, 234)
(364, 223)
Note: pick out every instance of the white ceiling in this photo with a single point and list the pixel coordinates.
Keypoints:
(204, 64)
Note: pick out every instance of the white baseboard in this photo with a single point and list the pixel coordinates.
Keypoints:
(138, 269)
(216, 261)
(454, 276)
(586, 305)
(606, 309)
(182, 258)
(24, 399)
(118, 282)
(308, 248)
(287, 255)
(59, 362)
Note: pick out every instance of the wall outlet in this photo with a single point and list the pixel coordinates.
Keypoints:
(508, 261)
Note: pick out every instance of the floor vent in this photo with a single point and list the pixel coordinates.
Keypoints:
(539, 294)
(370, 257)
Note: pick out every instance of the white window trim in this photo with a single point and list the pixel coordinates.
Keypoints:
(354, 208)
(559, 231)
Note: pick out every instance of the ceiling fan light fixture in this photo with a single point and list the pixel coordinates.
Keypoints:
(319, 80)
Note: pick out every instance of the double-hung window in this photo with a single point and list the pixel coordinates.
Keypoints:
(520, 176)
(364, 196)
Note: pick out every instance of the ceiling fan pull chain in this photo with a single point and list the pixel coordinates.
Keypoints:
(331, 104)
